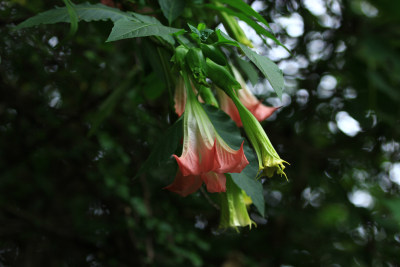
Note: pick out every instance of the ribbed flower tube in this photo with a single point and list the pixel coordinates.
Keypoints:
(268, 159)
(205, 154)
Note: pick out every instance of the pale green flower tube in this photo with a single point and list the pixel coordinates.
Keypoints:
(268, 159)
(233, 207)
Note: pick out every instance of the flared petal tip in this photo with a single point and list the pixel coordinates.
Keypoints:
(277, 167)
(263, 112)
(187, 165)
(229, 160)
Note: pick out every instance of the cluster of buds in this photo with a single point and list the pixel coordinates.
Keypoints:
(206, 157)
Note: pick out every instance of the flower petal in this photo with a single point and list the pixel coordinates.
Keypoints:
(262, 112)
(196, 159)
(185, 185)
(259, 110)
(227, 105)
(215, 182)
(228, 159)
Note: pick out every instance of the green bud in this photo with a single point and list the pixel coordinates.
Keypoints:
(221, 76)
(196, 62)
(214, 54)
(207, 95)
(180, 54)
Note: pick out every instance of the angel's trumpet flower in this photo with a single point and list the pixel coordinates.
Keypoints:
(205, 154)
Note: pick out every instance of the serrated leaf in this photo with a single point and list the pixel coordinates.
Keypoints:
(124, 29)
(153, 20)
(253, 189)
(271, 71)
(194, 30)
(164, 148)
(145, 18)
(86, 12)
(73, 16)
(172, 9)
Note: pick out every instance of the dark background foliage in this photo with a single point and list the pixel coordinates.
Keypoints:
(78, 118)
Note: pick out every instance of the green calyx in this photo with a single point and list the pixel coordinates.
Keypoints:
(197, 64)
(221, 76)
(179, 57)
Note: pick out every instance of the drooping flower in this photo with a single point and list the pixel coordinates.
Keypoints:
(258, 109)
(205, 154)
(233, 207)
(268, 159)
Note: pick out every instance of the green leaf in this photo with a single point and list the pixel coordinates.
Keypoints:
(86, 12)
(248, 69)
(124, 29)
(224, 126)
(271, 71)
(164, 148)
(251, 170)
(253, 189)
(257, 27)
(153, 20)
(225, 39)
(245, 9)
(73, 17)
(172, 9)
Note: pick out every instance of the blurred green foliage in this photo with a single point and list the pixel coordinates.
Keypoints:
(79, 117)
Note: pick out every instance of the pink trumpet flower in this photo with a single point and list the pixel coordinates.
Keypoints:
(259, 110)
(205, 156)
